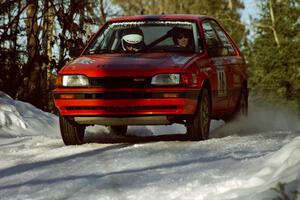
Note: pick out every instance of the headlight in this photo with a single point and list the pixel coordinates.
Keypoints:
(166, 79)
(74, 81)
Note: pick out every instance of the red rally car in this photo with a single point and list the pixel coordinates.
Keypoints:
(153, 70)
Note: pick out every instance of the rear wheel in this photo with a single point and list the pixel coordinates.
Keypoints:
(198, 126)
(241, 109)
(72, 134)
(118, 130)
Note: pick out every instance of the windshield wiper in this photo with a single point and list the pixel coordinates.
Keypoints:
(176, 50)
(100, 51)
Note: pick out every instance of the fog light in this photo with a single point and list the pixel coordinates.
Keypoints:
(67, 96)
(170, 95)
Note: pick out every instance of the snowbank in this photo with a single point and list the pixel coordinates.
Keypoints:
(22, 119)
(280, 167)
(10, 117)
(245, 159)
(283, 166)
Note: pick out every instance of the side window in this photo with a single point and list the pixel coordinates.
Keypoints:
(210, 35)
(226, 42)
(213, 42)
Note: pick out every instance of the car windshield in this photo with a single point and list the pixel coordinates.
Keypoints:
(146, 36)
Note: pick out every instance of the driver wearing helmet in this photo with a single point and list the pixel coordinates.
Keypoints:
(132, 40)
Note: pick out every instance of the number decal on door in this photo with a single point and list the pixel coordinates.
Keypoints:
(222, 83)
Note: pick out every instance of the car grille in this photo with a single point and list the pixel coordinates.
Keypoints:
(120, 82)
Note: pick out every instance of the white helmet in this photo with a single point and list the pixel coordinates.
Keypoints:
(132, 40)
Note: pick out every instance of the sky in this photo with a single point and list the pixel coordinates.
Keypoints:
(251, 9)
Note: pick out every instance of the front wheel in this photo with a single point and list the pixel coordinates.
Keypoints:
(198, 125)
(71, 134)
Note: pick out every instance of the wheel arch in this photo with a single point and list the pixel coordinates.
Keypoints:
(205, 84)
(245, 87)
(245, 84)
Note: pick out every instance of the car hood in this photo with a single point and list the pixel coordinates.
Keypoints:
(146, 64)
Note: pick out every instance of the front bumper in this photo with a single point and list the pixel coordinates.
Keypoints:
(132, 107)
(117, 121)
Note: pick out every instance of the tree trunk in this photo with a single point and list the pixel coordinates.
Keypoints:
(45, 64)
(102, 12)
(31, 84)
(48, 25)
(273, 23)
(31, 28)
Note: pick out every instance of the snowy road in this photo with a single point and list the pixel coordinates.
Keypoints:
(241, 160)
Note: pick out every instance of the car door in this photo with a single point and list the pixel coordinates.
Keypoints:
(217, 59)
(233, 64)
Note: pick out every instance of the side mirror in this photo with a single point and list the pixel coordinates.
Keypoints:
(75, 52)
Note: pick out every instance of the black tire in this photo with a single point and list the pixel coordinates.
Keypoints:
(118, 130)
(241, 109)
(71, 134)
(198, 126)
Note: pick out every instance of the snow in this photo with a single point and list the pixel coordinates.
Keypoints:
(245, 159)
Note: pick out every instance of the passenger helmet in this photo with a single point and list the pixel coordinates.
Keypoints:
(132, 40)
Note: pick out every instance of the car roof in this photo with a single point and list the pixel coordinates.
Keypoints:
(160, 17)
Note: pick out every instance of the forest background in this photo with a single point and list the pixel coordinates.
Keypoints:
(35, 37)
